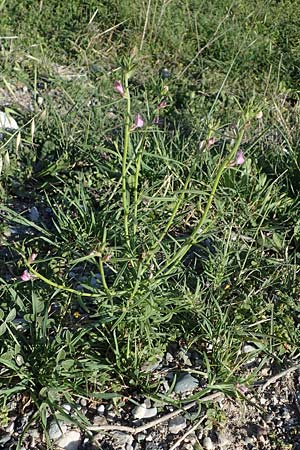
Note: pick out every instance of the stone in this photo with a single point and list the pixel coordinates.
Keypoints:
(10, 428)
(5, 438)
(248, 348)
(71, 440)
(207, 443)
(56, 429)
(223, 439)
(99, 420)
(34, 214)
(152, 364)
(141, 412)
(186, 383)
(7, 122)
(66, 407)
(121, 439)
(177, 424)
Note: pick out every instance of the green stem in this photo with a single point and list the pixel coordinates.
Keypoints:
(60, 286)
(155, 247)
(139, 151)
(193, 238)
(125, 197)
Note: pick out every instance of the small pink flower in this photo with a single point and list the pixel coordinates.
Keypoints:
(162, 105)
(205, 145)
(239, 159)
(138, 122)
(242, 388)
(26, 276)
(119, 88)
(32, 258)
(211, 141)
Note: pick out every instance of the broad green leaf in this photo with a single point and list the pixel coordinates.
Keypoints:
(11, 315)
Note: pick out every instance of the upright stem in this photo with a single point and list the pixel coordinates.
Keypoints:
(194, 237)
(125, 193)
(139, 151)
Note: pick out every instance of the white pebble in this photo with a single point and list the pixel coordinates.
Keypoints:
(207, 443)
(141, 412)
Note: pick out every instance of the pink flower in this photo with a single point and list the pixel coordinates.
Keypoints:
(242, 388)
(119, 88)
(26, 276)
(239, 159)
(32, 257)
(205, 145)
(162, 105)
(138, 122)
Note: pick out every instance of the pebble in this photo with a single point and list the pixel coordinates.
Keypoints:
(248, 348)
(269, 418)
(5, 438)
(152, 364)
(34, 214)
(66, 407)
(7, 122)
(169, 358)
(99, 420)
(141, 412)
(248, 440)
(70, 440)
(10, 427)
(101, 409)
(121, 439)
(223, 439)
(140, 437)
(83, 401)
(177, 424)
(56, 430)
(186, 383)
(207, 443)
(165, 73)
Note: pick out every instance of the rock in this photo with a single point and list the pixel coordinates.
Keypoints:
(34, 436)
(56, 429)
(152, 364)
(141, 412)
(34, 214)
(140, 437)
(223, 439)
(152, 446)
(99, 420)
(169, 358)
(101, 409)
(121, 439)
(184, 358)
(248, 440)
(248, 348)
(269, 418)
(7, 122)
(83, 401)
(71, 440)
(177, 424)
(5, 438)
(10, 428)
(165, 73)
(66, 407)
(186, 383)
(207, 443)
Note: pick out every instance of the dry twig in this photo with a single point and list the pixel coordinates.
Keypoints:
(154, 423)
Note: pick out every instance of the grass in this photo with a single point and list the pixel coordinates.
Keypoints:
(147, 237)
